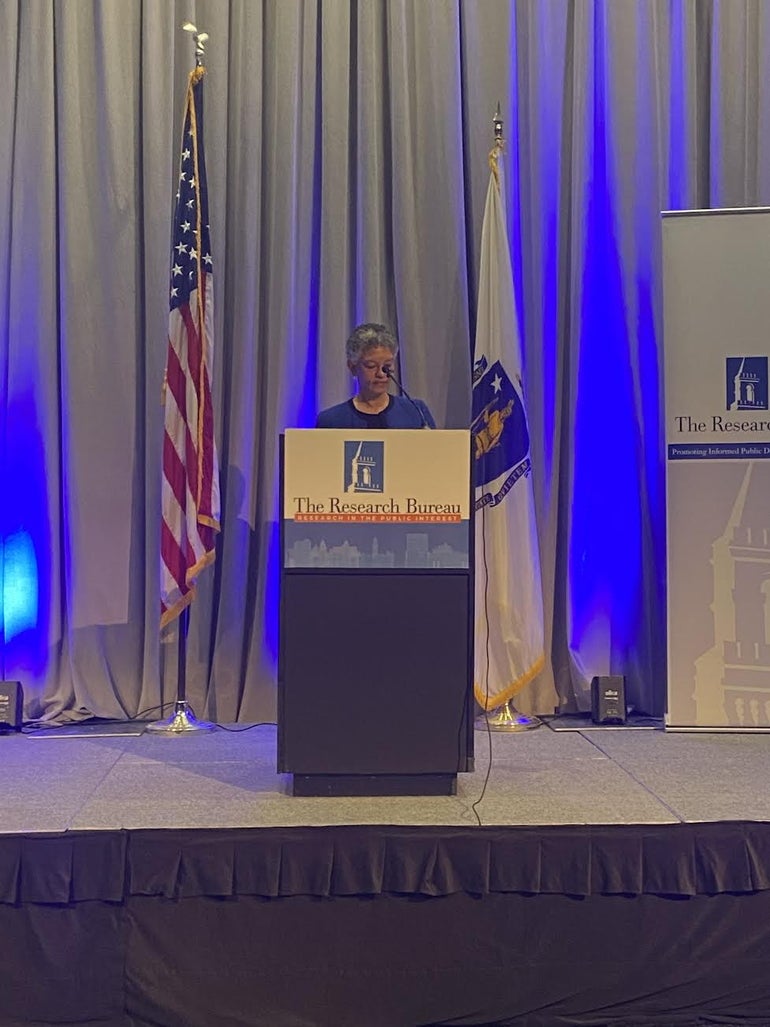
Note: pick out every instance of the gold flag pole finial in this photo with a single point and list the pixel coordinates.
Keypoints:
(497, 122)
(201, 38)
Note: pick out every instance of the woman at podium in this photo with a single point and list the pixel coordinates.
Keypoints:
(371, 353)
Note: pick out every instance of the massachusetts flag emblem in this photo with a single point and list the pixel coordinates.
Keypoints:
(499, 427)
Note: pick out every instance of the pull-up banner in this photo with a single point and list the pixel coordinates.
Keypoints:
(717, 424)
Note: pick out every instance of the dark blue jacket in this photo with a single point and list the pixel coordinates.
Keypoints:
(400, 413)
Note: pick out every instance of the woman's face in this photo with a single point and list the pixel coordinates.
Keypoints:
(370, 373)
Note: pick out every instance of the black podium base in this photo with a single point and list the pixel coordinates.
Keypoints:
(374, 784)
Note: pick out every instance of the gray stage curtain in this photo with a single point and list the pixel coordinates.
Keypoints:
(347, 150)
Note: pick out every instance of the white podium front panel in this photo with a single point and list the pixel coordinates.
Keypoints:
(376, 499)
(717, 352)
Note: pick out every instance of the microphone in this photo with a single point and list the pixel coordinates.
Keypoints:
(388, 371)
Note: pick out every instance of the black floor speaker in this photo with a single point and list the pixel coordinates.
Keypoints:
(608, 699)
(11, 703)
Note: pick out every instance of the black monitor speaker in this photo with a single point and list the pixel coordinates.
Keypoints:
(11, 704)
(608, 699)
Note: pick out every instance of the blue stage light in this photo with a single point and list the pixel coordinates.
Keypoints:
(19, 596)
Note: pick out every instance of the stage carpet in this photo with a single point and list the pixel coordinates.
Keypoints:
(617, 877)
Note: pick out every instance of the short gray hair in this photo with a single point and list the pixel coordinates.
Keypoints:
(368, 336)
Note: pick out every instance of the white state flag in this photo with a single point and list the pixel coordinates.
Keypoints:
(509, 601)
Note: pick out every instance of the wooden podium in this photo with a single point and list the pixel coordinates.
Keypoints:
(375, 666)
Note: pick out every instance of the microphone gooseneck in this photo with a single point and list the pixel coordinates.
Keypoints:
(389, 372)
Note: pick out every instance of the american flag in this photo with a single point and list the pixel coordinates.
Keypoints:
(190, 489)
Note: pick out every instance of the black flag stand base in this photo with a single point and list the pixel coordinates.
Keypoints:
(182, 721)
(506, 718)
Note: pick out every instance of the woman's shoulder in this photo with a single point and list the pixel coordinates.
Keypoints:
(412, 411)
(338, 416)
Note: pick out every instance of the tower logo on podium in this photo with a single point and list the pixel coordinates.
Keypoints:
(364, 466)
(746, 383)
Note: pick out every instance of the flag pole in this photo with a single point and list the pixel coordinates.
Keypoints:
(183, 720)
(504, 717)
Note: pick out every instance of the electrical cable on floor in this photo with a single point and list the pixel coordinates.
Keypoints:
(29, 727)
(246, 727)
(486, 670)
(151, 709)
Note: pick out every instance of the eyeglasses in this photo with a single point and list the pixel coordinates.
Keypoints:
(372, 365)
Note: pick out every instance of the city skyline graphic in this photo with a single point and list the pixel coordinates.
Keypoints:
(364, 547)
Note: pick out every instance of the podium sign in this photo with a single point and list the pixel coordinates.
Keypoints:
(363, 500)
(717, 308)
(375, 663)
